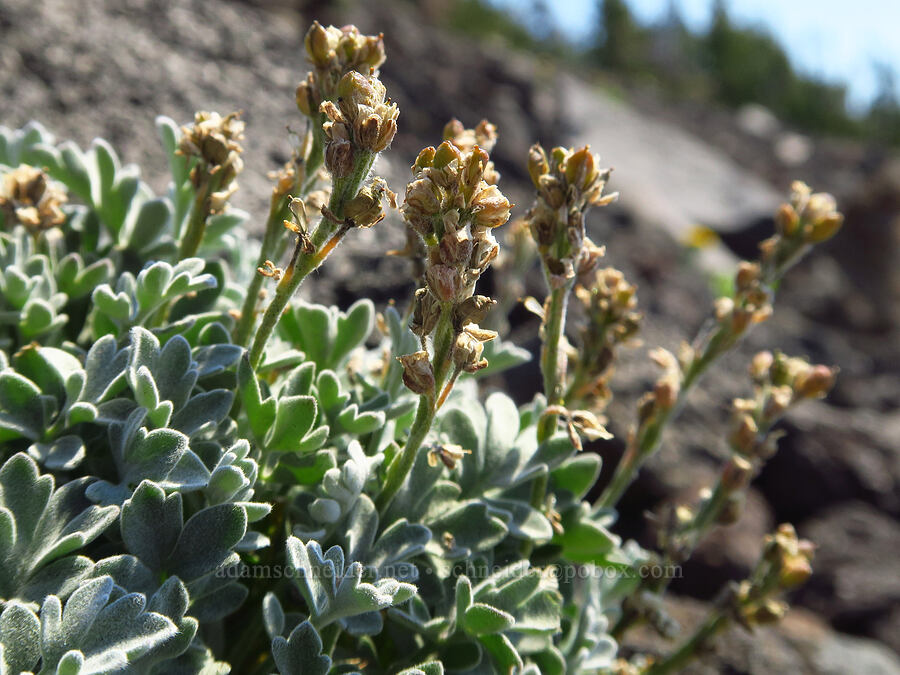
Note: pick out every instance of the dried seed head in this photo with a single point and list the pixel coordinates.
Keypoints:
(213, 140)
(418, 375)
(28, 197)
(363, 118)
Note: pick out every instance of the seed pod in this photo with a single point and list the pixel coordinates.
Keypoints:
(418, 375)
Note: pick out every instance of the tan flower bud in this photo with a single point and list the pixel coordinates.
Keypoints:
(339, 158)
(491, 207)
(425, 159)
(736, 474)
(786, 220)
(581, 169)
(743, 437)
(537, 164)
(747, 276)
(825, 229)
(795, 570)
(815, 382)
(445, 154)
(319, 44)
(453, 129)
(780, 398)
(472, 310)
(444, 282)
(417, 373)
(723, 308)
(760, 365)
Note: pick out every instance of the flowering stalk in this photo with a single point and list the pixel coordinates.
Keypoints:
(333, 52)
(781, 383)
(452, 204)
(784, 564)
(361, 125)
(568, 183)
(808, 219)
(311, 252)
(213, 141)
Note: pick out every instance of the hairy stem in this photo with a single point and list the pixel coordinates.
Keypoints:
(402, 464)
(552, 358)
(196, 227)
(248, 311)
(326, 237)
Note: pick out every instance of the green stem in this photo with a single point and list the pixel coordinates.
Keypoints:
(649, 436)
(692, 647)
(444, 335)
(196, 228)
(330, 635)
(248, 311)
(554, 376)
(324, 240)
(402, 463)
(316, 155)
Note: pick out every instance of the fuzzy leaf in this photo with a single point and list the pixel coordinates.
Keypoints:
(577, 474)
(301, 653)
(20, 638)
(151, 524)
(207, 539)
(352, 330)
(481, 619)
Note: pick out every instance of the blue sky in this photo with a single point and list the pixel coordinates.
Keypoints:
(836, 40)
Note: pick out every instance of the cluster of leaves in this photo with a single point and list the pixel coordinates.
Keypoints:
(140, 449)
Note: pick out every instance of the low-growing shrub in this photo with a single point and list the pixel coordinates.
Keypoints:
(201, 473)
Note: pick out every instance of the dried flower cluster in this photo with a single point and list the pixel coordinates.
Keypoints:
(610, 319)
(334, 52)
(28, 197)
(785, 564)
(781, 382)
(363, 121)
(453, 207)
(214, 141)
(568, 183)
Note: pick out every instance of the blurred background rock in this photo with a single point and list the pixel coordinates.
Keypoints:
(703, 129)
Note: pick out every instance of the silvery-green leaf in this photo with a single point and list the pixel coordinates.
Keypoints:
(206, 540)
(63, 454)
(151, 524)
(20, 638)
(273, 616)
(301, 653)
